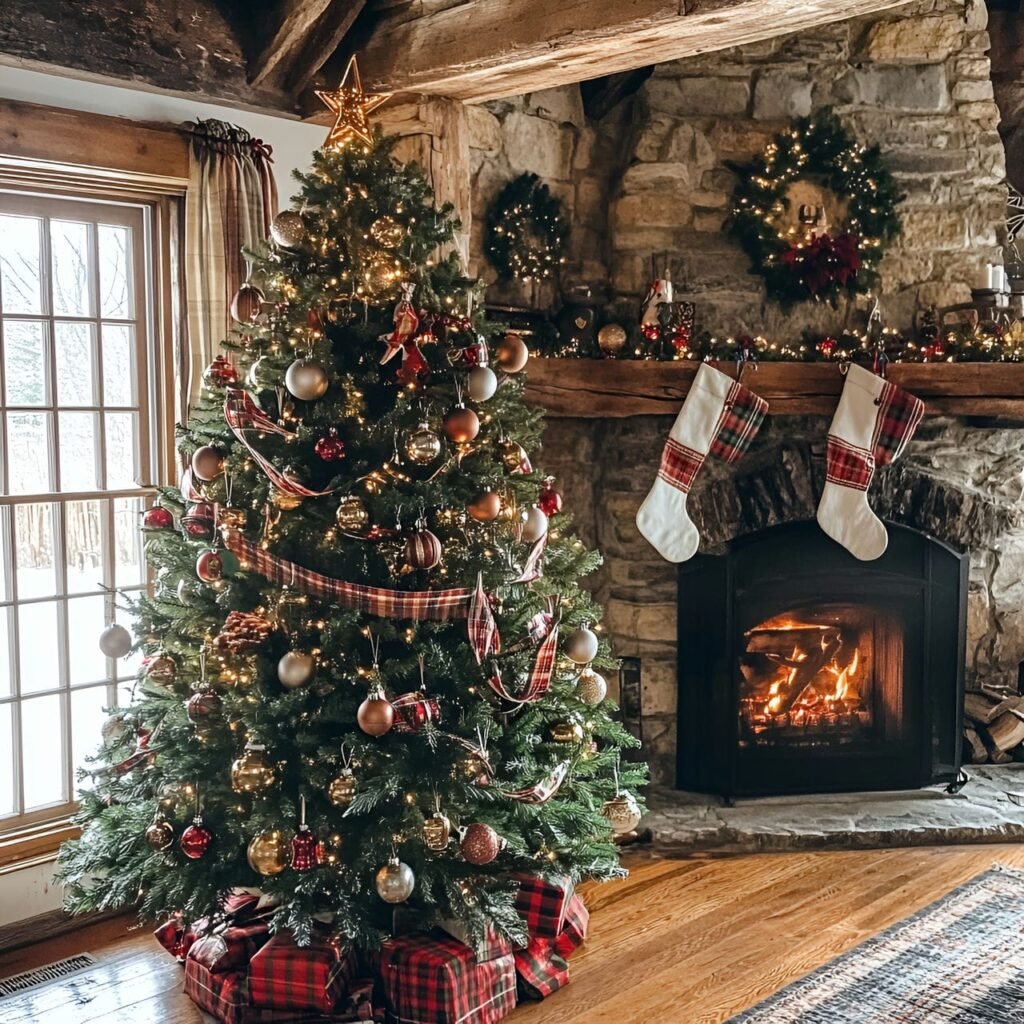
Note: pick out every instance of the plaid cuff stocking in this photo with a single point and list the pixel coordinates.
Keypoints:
(719, 417)
(872, 425)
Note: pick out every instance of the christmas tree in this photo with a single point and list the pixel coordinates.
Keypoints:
(370, 672)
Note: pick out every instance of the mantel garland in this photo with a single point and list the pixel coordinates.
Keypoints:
(797, 262)
(526, 230)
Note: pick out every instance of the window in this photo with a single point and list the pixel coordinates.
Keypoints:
(77, 461)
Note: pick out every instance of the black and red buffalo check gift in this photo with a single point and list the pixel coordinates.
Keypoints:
(285, 976)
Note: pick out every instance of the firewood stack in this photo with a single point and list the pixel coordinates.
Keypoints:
(993, 727)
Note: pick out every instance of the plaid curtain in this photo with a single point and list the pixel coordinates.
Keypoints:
(229, 205)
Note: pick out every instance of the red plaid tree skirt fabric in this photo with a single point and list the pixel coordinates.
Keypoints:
(540, 969)
(848, 465)
(899, 414)
(285, 976)
(225, 995)
(574, 931)
(435, 979)
(543, 904)
(679, 465)
(230, 947)
(741, 420)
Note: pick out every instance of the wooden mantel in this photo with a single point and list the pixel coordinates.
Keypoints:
(616, 388)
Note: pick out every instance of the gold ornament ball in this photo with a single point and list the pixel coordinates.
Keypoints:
(268, 852)
(288, 230)
(352, 515)
(511, 353)
(395, 881)
(284, 500)
(295, 669)
(566, 732)
(307, 379)
(437, 830)
(591, 687)
(386, 231)
(535, 526)
(480, 844)
(252, 772)
(342, 790)
(207, 462)
(229, 516)
(375, 715)
(422, 445)
(328, 850)
(581, 645)
(481, 383)
(622, 812)
(160, 835)
(485, 507)
(611, 338)
(380, 274)
(513, 455)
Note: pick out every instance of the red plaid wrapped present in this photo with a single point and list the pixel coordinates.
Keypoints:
(230, 947)
(543, 904)
(286, 976)
(239, 907)
(574, 931)
(175, 937)
(540, 969)
(490, 947)
(435, 979)
(225, 995)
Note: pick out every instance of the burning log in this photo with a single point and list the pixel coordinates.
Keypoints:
(805, 672)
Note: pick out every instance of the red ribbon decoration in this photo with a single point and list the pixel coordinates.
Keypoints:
(415, 710)
(403, 339)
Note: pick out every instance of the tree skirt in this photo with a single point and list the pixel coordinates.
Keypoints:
(959, 960)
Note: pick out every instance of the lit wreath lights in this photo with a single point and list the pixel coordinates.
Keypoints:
(526, 231)
(796, 262)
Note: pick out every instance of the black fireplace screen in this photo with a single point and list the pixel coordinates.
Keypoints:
(802, 669)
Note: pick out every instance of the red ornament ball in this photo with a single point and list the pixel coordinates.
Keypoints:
(195, 840)
(480, 844)
(157, 518)
(330, 447)
(305, 850)
(423, 549)
(212, 566)
(827, 346)
(220, 373)
(549, 501)
(198, 521)
(202, 705)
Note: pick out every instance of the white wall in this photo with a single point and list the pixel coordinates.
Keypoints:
(292, 141)
(28, 892)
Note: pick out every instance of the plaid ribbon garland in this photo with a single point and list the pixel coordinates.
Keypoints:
(242, 415)
(899, 414)
(848, 465)
(740, 422)
(540, 969)
(483, 630)
(415, 710)
(435, 979)
(679, 465)
(533, 567)
(285, 976)
(540, 792)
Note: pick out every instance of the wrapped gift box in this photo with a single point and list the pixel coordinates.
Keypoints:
(540, 969)
(489, 947)
(230, 947)
(175, 937)
(225, 995)
(574, 929)
(239, 907)
(286, 976)
(435, 979)
(543, 904)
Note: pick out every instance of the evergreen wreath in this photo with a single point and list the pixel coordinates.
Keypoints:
(798, 265)
(526, 232)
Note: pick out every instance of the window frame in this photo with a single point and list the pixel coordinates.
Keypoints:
(29, 835)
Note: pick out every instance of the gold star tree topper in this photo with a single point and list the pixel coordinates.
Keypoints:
(351, 107)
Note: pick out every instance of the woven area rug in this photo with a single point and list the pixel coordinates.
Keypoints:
(958, 961)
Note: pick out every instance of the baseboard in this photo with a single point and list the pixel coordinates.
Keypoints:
(48, 926)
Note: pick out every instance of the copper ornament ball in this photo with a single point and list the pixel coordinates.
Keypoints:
(461, 425)
(485, 507)
(511, 353)
(375, 716)
(611, 338)
(207, 463)
(268, 852)
(202, 706)
(480, 844)
(307, 379)
(160, 835)
(422, 445)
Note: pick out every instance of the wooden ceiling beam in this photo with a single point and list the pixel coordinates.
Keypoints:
(476, 50)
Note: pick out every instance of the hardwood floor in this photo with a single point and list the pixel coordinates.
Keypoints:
(680, 941)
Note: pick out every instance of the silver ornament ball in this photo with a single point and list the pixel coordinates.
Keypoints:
(482, 383)
(395, 881)
(115, 641)
(591, 687)
(535, 526)
(288, 230)
(306, 379)
(295, 669)
(581, 646)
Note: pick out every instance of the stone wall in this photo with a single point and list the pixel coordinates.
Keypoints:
(1006, 30)
(964, 485)
(654, 178)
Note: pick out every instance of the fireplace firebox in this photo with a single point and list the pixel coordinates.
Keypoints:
(802, 669)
